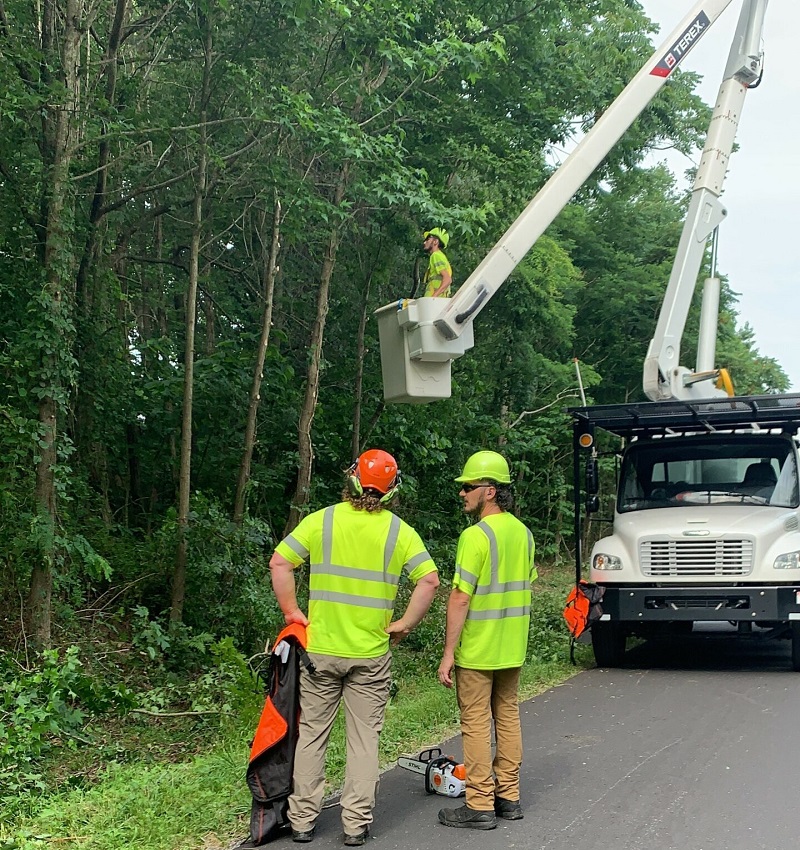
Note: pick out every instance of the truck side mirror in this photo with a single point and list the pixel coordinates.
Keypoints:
(592, 476)
(592, 504)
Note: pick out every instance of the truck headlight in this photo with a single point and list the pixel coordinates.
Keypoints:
(789, 561)
(602, 561)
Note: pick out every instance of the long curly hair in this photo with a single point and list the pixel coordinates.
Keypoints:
(504, 496)
(368, 501)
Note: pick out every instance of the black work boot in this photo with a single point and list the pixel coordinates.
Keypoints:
(303, 836)
(466, 818)
(508, 809)
(358, 839)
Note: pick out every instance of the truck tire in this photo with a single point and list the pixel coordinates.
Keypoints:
(608, 643)
(794, 628)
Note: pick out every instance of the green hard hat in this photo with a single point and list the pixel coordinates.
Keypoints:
(489, 465)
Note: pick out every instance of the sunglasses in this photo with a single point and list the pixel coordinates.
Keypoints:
(468, 488)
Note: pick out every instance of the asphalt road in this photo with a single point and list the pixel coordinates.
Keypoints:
(692, 746)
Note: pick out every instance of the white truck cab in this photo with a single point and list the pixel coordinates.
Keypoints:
(706, 522)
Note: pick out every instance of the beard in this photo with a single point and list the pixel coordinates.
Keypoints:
(477, 508)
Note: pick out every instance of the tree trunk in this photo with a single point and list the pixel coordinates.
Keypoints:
(210, 335)
(104, 152)
(305, 447)
(92, 307)
(57, 151)
(359, 377)
(184, 482)
(38, 608)
(269, 272)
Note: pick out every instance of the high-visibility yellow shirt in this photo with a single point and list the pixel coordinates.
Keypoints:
(356, 559)
(494, 566)
(437, 264)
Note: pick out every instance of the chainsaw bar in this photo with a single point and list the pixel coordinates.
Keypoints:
(412, 764)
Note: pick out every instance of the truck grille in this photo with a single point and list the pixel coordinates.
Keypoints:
(696, 557)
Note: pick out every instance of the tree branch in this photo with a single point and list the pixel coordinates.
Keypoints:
(557, 400)
(173, 713)
(153, 131)
(497, 27)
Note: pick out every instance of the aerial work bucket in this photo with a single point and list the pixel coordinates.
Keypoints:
(415, 357)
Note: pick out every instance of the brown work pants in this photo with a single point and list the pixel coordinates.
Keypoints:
(483, 696)
(363, 684)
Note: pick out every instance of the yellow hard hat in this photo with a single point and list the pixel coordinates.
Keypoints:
(488, 465)
(440, 233)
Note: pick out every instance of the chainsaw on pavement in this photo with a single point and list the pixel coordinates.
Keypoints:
(443, 774)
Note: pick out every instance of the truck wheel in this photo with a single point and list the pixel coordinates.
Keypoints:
(794, 627)
(608, 643)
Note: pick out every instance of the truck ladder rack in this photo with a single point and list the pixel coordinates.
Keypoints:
(661, 418)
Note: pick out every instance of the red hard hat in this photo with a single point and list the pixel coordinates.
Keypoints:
(377, 470)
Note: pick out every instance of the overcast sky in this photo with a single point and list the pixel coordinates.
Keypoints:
(758, 242)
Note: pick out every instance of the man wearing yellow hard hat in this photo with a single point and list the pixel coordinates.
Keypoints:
(438, 275)
(486, 639)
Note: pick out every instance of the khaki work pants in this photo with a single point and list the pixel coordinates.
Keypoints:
(363, 684)
(483, 696)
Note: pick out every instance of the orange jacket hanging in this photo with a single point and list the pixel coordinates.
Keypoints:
(269, 773)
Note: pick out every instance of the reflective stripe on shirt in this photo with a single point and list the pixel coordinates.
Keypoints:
(296, 546)
(416, 561)
(357, 573)
(391, 545)
(350, 599)
(500, 613)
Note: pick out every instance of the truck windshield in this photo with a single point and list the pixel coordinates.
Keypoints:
(720, 469)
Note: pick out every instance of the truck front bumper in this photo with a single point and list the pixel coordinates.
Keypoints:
(660, 604)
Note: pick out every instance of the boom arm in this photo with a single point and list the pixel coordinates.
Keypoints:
(437, 328)
(490, 275)
(663, 377)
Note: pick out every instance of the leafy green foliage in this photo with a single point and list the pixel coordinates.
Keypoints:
(45, 706)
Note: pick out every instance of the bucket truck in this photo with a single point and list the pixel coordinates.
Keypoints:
(706, 515)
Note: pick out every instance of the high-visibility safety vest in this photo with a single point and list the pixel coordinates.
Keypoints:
(494, 566)
(434, 273)
(356, 560)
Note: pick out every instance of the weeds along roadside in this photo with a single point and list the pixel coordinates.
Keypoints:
(105, 760)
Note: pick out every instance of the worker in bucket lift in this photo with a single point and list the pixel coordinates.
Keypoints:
(438, 275)
(357, 550)
(486, 638)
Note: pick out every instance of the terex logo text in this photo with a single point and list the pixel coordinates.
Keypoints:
(685, 42)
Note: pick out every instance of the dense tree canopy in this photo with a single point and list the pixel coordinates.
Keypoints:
(201, 204)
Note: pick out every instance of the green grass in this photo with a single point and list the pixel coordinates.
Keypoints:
(179, 784)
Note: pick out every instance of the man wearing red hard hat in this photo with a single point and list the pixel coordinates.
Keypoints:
(357, 550)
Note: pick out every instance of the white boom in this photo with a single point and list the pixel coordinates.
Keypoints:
(663, 376)
(419, 339)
